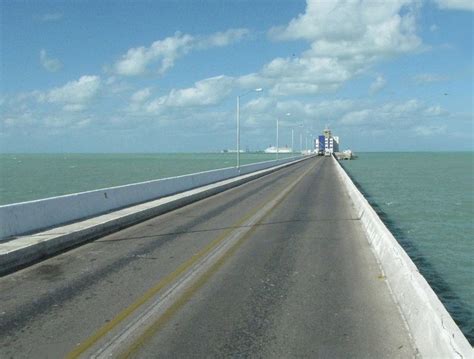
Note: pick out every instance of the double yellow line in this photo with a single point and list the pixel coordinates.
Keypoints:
(172, 277)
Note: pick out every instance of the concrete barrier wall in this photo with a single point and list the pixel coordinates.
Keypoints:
(27, 217)
(435, 333)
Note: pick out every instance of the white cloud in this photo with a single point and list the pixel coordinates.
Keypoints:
(221, 39)
(32, 120)
(137, 100)
(429, 130)
(50, 64)
(320, 70)
(346, 39)
(19, 120)
(117, 85)
(435, 111)
(378, 84)
(260, 113)
(55, 122)
(141, 95)
(253, 80)
(298, 76)
(412, 116)
(164, 53)
(294, 88)
(74, 107)
(62, 122)
(204, 93)
(366, 115)
(75, 94)
(362, 27)
(259, 105)
(428, 78)
(456, 4)
(434, 28)
(356, 117)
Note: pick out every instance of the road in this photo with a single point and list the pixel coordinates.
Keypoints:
(278, 267)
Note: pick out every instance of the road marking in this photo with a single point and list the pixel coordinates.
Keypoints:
(183, 299)
(188, 292)
(187, 278)
(167, 280)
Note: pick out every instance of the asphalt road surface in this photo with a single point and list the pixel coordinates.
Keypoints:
(276, 268)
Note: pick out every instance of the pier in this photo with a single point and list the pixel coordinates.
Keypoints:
(345, 155)
(281, 265)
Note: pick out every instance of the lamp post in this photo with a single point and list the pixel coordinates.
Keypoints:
(238, 121)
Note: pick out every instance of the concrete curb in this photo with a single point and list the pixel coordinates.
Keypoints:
(434, 331)
(18, 219)
(27, 249)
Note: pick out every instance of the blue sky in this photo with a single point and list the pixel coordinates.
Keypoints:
(163, 76)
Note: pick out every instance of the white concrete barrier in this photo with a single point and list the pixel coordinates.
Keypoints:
(27, 217)
(435, 333)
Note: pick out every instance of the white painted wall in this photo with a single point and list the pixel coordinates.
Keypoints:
(32, 216)
(435, 333)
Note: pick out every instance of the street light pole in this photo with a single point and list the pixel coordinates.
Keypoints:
(238, 131)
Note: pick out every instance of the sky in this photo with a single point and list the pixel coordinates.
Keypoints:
(164, 76)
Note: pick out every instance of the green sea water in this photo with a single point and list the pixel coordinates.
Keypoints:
(427, 201)
(26, 177)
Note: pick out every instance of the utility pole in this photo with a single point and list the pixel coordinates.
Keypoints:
(238, 132)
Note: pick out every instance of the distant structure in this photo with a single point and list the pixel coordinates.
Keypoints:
(345, 155)
(273, 149)
(327, 144)
(226, 150)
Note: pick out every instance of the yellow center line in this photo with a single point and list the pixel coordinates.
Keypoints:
(166, 281)
(203, 279)
(182, 300)
(150, 293)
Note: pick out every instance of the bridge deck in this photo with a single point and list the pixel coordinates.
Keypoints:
(278, 267)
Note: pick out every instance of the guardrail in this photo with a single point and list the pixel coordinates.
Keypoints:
(434, 331)
(28, 217)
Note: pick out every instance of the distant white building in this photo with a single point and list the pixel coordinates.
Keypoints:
(327, 143)
(273, 149)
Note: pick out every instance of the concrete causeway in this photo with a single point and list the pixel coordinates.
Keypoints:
(80, 217)
(278, 267)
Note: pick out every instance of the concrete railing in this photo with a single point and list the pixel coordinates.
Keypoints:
(27, 217)
(435, 333)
